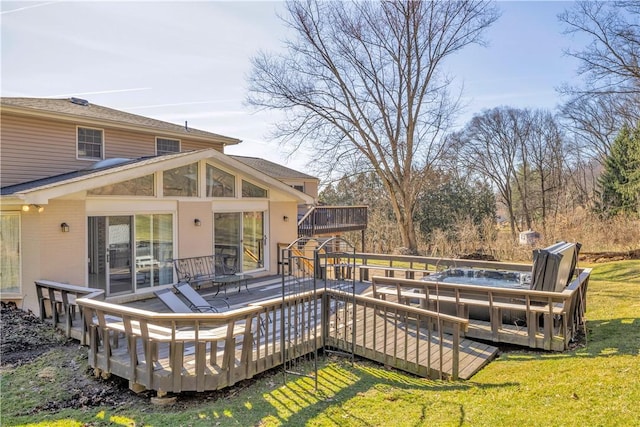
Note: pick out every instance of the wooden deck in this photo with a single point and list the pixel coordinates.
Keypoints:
(171, 352)
(399, 339)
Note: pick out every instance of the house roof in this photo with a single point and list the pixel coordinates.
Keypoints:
(116, 170)
(65, 108)
(274, 170)
(98, 169)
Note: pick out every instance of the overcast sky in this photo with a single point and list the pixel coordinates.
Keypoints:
(187, 61)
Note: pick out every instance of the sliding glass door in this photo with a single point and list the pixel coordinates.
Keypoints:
(239, 240)
(129, 252)
(110, 253)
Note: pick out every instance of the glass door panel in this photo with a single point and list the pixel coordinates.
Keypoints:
(252, 240)
(10, 250)
(154, 250)
(163, 247)
(226, 241)
(97, 250)
(120, 254)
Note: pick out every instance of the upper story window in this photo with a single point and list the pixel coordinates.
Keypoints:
(220, 183)
(167, 146)
(181, 182)
(298, 187)
(90, 143)
(252, 190)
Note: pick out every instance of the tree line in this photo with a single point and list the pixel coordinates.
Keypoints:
(363, 85)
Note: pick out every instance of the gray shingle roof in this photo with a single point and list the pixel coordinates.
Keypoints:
(274, 170)
(95, 170)
(97, 112)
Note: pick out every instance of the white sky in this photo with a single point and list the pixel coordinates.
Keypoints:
(187, 61)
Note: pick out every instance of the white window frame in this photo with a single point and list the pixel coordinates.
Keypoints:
(265, 188)
(223, 169)
(168, 139)
(102, 143)
(20, 256)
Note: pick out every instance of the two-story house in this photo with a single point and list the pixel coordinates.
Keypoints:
(100, 197)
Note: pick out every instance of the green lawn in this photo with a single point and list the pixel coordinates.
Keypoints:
(594, 385)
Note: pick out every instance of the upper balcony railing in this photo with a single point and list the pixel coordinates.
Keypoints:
(332, 219)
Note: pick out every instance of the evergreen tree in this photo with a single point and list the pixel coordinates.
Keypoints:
(620, 181)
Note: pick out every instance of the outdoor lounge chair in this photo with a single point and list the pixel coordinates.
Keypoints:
(196, 301)
(176, 305)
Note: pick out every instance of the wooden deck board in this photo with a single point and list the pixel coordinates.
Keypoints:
(398, 348)
(392, 339)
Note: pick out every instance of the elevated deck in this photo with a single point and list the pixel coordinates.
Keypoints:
(171, 352)
(419, 326)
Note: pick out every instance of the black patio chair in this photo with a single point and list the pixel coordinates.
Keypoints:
(176, 305)
(196, 301)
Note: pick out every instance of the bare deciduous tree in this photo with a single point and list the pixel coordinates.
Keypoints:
(489, 145)
(521, 153)
(609, 96)
(546, 145)
(362, 86)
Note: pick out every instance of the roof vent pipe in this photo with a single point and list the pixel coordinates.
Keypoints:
(79, 101)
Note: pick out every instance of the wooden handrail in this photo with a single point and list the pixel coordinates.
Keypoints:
(329, 219)
(562, 311)
(393, 260)
(176, 317)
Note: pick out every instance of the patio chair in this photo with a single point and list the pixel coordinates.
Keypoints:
(176, 305)
(196, 301)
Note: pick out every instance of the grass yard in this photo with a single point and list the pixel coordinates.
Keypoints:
(593, 385)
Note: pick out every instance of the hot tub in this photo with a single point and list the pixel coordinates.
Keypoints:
(483, 277)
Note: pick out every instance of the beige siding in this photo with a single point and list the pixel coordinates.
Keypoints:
(280, 231)
(190, 145)
(30, 258)
(311, 188)
(34, 148)
(195, 241)
(47, 252)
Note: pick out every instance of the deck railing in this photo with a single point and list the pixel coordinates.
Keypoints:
(332, 219)
(60, 301)
(170, 352)
(537, 319)
(396, 335)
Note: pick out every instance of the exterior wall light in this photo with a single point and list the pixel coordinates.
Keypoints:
(285, 218)
(27, 208)
(64, 227)
(197, 222)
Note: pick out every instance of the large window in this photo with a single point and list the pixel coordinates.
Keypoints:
(167, 146)
(142, 186)
(10, 253)
(252, 190)
(89, 143)
(220, 183)
(181, 182)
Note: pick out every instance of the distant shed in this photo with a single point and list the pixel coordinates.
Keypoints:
(529, 237)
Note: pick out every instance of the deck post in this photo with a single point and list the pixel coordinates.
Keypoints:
(456, 353)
